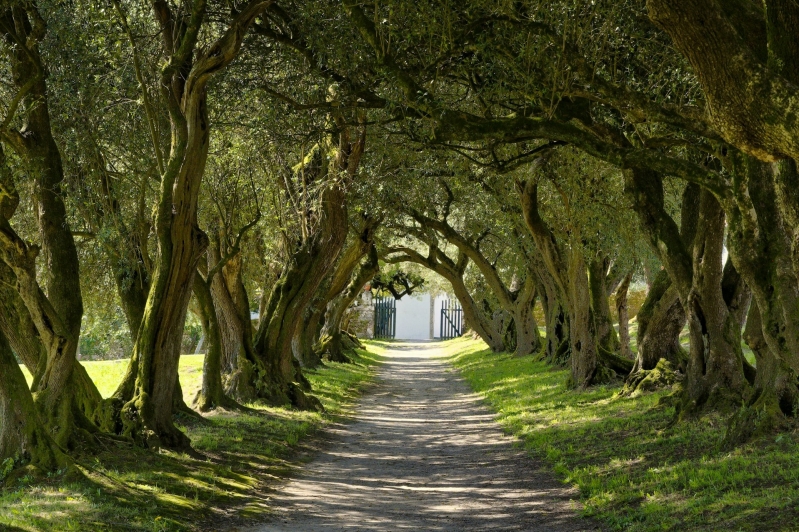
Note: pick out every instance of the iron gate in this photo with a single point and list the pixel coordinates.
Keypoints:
(451, 325)
(385, 317)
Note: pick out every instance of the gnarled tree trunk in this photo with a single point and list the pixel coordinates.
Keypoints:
(567, 268)
(607, 338)
(660, 321)
(714, 375)
(331, 344)
(280, 381)
(147, 416)
(64, 398)
(23, 437)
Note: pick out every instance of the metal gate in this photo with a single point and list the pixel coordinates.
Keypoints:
(451, 319)
(385, 317)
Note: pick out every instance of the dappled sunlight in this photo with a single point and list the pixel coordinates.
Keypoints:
(423, 454)
(129, 488)
(633, 466)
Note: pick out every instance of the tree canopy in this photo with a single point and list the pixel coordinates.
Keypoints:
(216, 158)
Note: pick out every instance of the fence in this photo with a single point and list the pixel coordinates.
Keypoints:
(451, 325)
(385, 317)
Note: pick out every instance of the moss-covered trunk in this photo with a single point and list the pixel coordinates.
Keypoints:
(557, 349)
(761, 247)
(660, 321)
(64, 398)
(23, 437)
(607, 338)
(331, 344)
(280, 381)
(568, 271)
(147, 416)
(582, 327)
(692, 257)
(211, 393)
(775, 392)
(322, 334)
(714, 376)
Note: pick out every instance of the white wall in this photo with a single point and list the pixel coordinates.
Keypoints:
(413, 318)
(437, 315)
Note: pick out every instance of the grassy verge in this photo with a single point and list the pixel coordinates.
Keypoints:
(635, 471)
(127, 488)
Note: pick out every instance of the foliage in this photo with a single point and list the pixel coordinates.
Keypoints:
(396, 282)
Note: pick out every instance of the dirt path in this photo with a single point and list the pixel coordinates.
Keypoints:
(423, 454)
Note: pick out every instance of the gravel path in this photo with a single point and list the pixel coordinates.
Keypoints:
(423, 454)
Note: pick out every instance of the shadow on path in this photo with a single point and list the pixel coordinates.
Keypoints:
(423, 454)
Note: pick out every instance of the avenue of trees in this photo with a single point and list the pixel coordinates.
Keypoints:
(214, 158)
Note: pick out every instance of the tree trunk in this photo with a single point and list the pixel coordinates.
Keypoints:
(762, 249)
(147, 417)
(660, 321)
(23, 438)
(238, 383)
(751, 100)
(280, 380)
(557, 350)
(223, 288)
(61, 395)
(525, 328)
(211, 394)
(528, 339)
(607, 338)
(776, 389)
(331, 344)
(567, 268)
(714, 376)
(584, 356)
(624, 319)
(308, 334)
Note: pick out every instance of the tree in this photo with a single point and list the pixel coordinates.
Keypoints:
(65, 400)
(147, 415)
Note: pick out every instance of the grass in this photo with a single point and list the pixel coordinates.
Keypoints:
(128, 488)
(634, 470)
(107, 374)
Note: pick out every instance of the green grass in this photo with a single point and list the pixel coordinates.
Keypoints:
(106, 374)
(634, 470)
(128, 488)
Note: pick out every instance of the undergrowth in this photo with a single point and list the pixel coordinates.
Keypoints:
(634, 469)
(129, 488)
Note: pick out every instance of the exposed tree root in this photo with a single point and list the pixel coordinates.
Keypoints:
(764, 416)
(642, 381)
(251, 383)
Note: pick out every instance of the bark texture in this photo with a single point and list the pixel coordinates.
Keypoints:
(567, 267)
(23, 437)
(65, 399)
(332, 341)
(753, 106)
(147, 416)
(281, 381)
